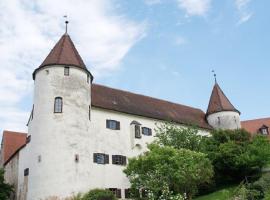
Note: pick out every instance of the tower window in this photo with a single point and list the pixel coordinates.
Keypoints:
(88, 78)
(146, 131)
(112, 124)
(76, 158)
(26, 172)
(39, 158)
(58, 105)
(66, 71)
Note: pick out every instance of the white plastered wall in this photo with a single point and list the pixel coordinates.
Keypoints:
(224, 120)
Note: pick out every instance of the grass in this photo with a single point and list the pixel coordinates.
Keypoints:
(222, 194)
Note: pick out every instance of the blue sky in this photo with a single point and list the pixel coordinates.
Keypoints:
(161, 48)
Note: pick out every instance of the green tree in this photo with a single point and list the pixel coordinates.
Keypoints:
(181, 170)
(5, 189)
(177, 137)
(98, 194)
(234, 154)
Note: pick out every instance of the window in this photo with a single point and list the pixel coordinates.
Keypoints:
(119, 160)
(89, 113)
(66, 71)
(58, 104)
(76, 158)
(112, 124)
(127, 193)
(137, 131)
(264, 131)
(88, 78)
(101, 158)
(26, 172)
(146, 131)
(116, 192)
(39, 158)
(32, 113)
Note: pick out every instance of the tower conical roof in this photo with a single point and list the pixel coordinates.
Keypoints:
(64, 53)
(219, 102)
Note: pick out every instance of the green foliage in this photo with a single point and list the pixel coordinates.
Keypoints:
(98, 194)
(177, 137)
(181, 170)
(5, 189)
(235, 154)
(221, 194)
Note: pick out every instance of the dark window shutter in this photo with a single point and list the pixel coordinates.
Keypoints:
(137, 131)
(118, 193)
(95, 157)
(113, 159)
(127, 193)
(124, 160)
(150, 131)
(117, 125)
(107, 123)
(106, 159)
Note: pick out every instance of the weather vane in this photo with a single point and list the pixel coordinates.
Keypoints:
(215, 75)
(65, 16)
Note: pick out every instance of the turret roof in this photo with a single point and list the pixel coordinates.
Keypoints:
(63, 53)
(219, 102)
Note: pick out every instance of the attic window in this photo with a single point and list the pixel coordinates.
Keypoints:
(264, 130)
(66, 71)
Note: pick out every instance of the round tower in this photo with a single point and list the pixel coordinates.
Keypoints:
(60, 124)
(221, 114)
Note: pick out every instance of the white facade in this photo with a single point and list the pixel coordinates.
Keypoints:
(57, 138)
(224, 120)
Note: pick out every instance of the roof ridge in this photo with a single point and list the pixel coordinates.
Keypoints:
(265, 118)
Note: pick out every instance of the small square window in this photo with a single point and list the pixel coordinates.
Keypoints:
(66, 71)
(119, 160)
(101, 158)
(264, 131)
(116, 192)
(112, 124)
(26, 172)
(146, 131)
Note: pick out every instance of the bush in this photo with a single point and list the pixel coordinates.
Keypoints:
(5, 189)
(99, 194)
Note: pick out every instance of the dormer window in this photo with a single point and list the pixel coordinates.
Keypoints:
(138, 131)
(264, 130)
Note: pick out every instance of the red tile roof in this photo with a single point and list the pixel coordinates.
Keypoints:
(12, 141)
(64, 53)
(219, 102)
(135, 104)
(254, 125)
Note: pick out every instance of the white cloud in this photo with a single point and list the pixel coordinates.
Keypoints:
(180, 40)
(29, 29)
(195, 7)
(242, 8)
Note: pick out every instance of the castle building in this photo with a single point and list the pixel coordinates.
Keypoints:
(80, 134)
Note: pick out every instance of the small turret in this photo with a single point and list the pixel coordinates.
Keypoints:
(221, 114)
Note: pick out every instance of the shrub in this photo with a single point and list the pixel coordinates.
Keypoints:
(99, 194)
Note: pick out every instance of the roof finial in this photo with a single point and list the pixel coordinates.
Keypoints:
(65, 16)
(215, 75)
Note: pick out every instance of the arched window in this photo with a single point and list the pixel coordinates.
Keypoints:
(58, 104)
